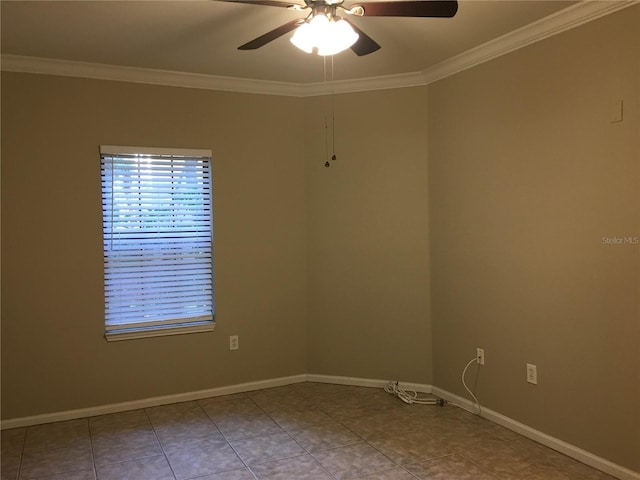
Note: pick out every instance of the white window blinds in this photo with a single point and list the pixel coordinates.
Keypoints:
(158, 241)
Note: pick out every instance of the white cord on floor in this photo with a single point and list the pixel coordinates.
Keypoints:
(410, 396)
(465, 384)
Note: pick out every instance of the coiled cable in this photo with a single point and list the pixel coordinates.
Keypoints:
(410, 396)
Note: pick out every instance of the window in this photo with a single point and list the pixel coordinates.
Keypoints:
(157, 223)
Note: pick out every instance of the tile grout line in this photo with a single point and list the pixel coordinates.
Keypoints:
(305, 450)
(362, 440)
(226, 439)
(164, 453)
(93, 458)
(24, 443)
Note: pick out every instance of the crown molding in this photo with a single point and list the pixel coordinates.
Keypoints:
(99, 71)
(566, 19)
(366, 84)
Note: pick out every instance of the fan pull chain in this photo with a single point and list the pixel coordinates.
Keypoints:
(333, 113)
(326, 134)
(333, 116)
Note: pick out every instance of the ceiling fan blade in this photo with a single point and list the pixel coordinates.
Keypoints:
(267, 3)
(416, 8)
(272, 35)
(365, 44)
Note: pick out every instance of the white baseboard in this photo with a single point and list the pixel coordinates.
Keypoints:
(365, 382)
(150, 402)
(352, 381)
(561, 446)
(572, 451)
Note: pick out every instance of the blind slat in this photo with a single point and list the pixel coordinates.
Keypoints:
(203, 281)
(131, 296)
(148, 275)
(177, 307)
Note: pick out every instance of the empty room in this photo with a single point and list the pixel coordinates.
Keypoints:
(320, 239)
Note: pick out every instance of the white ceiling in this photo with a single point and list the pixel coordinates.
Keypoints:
(201, 37)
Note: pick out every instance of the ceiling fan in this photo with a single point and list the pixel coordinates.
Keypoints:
(325, 31)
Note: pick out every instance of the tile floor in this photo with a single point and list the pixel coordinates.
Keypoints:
(302, 431)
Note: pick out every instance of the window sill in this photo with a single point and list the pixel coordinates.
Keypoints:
(158, 332)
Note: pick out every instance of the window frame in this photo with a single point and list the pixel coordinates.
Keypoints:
(126, 330)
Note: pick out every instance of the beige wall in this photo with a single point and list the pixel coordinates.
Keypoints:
(526, 175)
(327, 270)
(54, 355)
(368, 238)
(363, 222)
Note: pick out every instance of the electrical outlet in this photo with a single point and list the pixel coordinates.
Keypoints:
(532, 374)
(233, 342)
(480, 355)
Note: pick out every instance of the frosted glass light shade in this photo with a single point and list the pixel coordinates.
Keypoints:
(303, 38)
(327, 36)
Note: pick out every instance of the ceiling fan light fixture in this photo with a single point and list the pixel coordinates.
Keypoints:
(341, 36)
(303, 38)
(328, 35)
